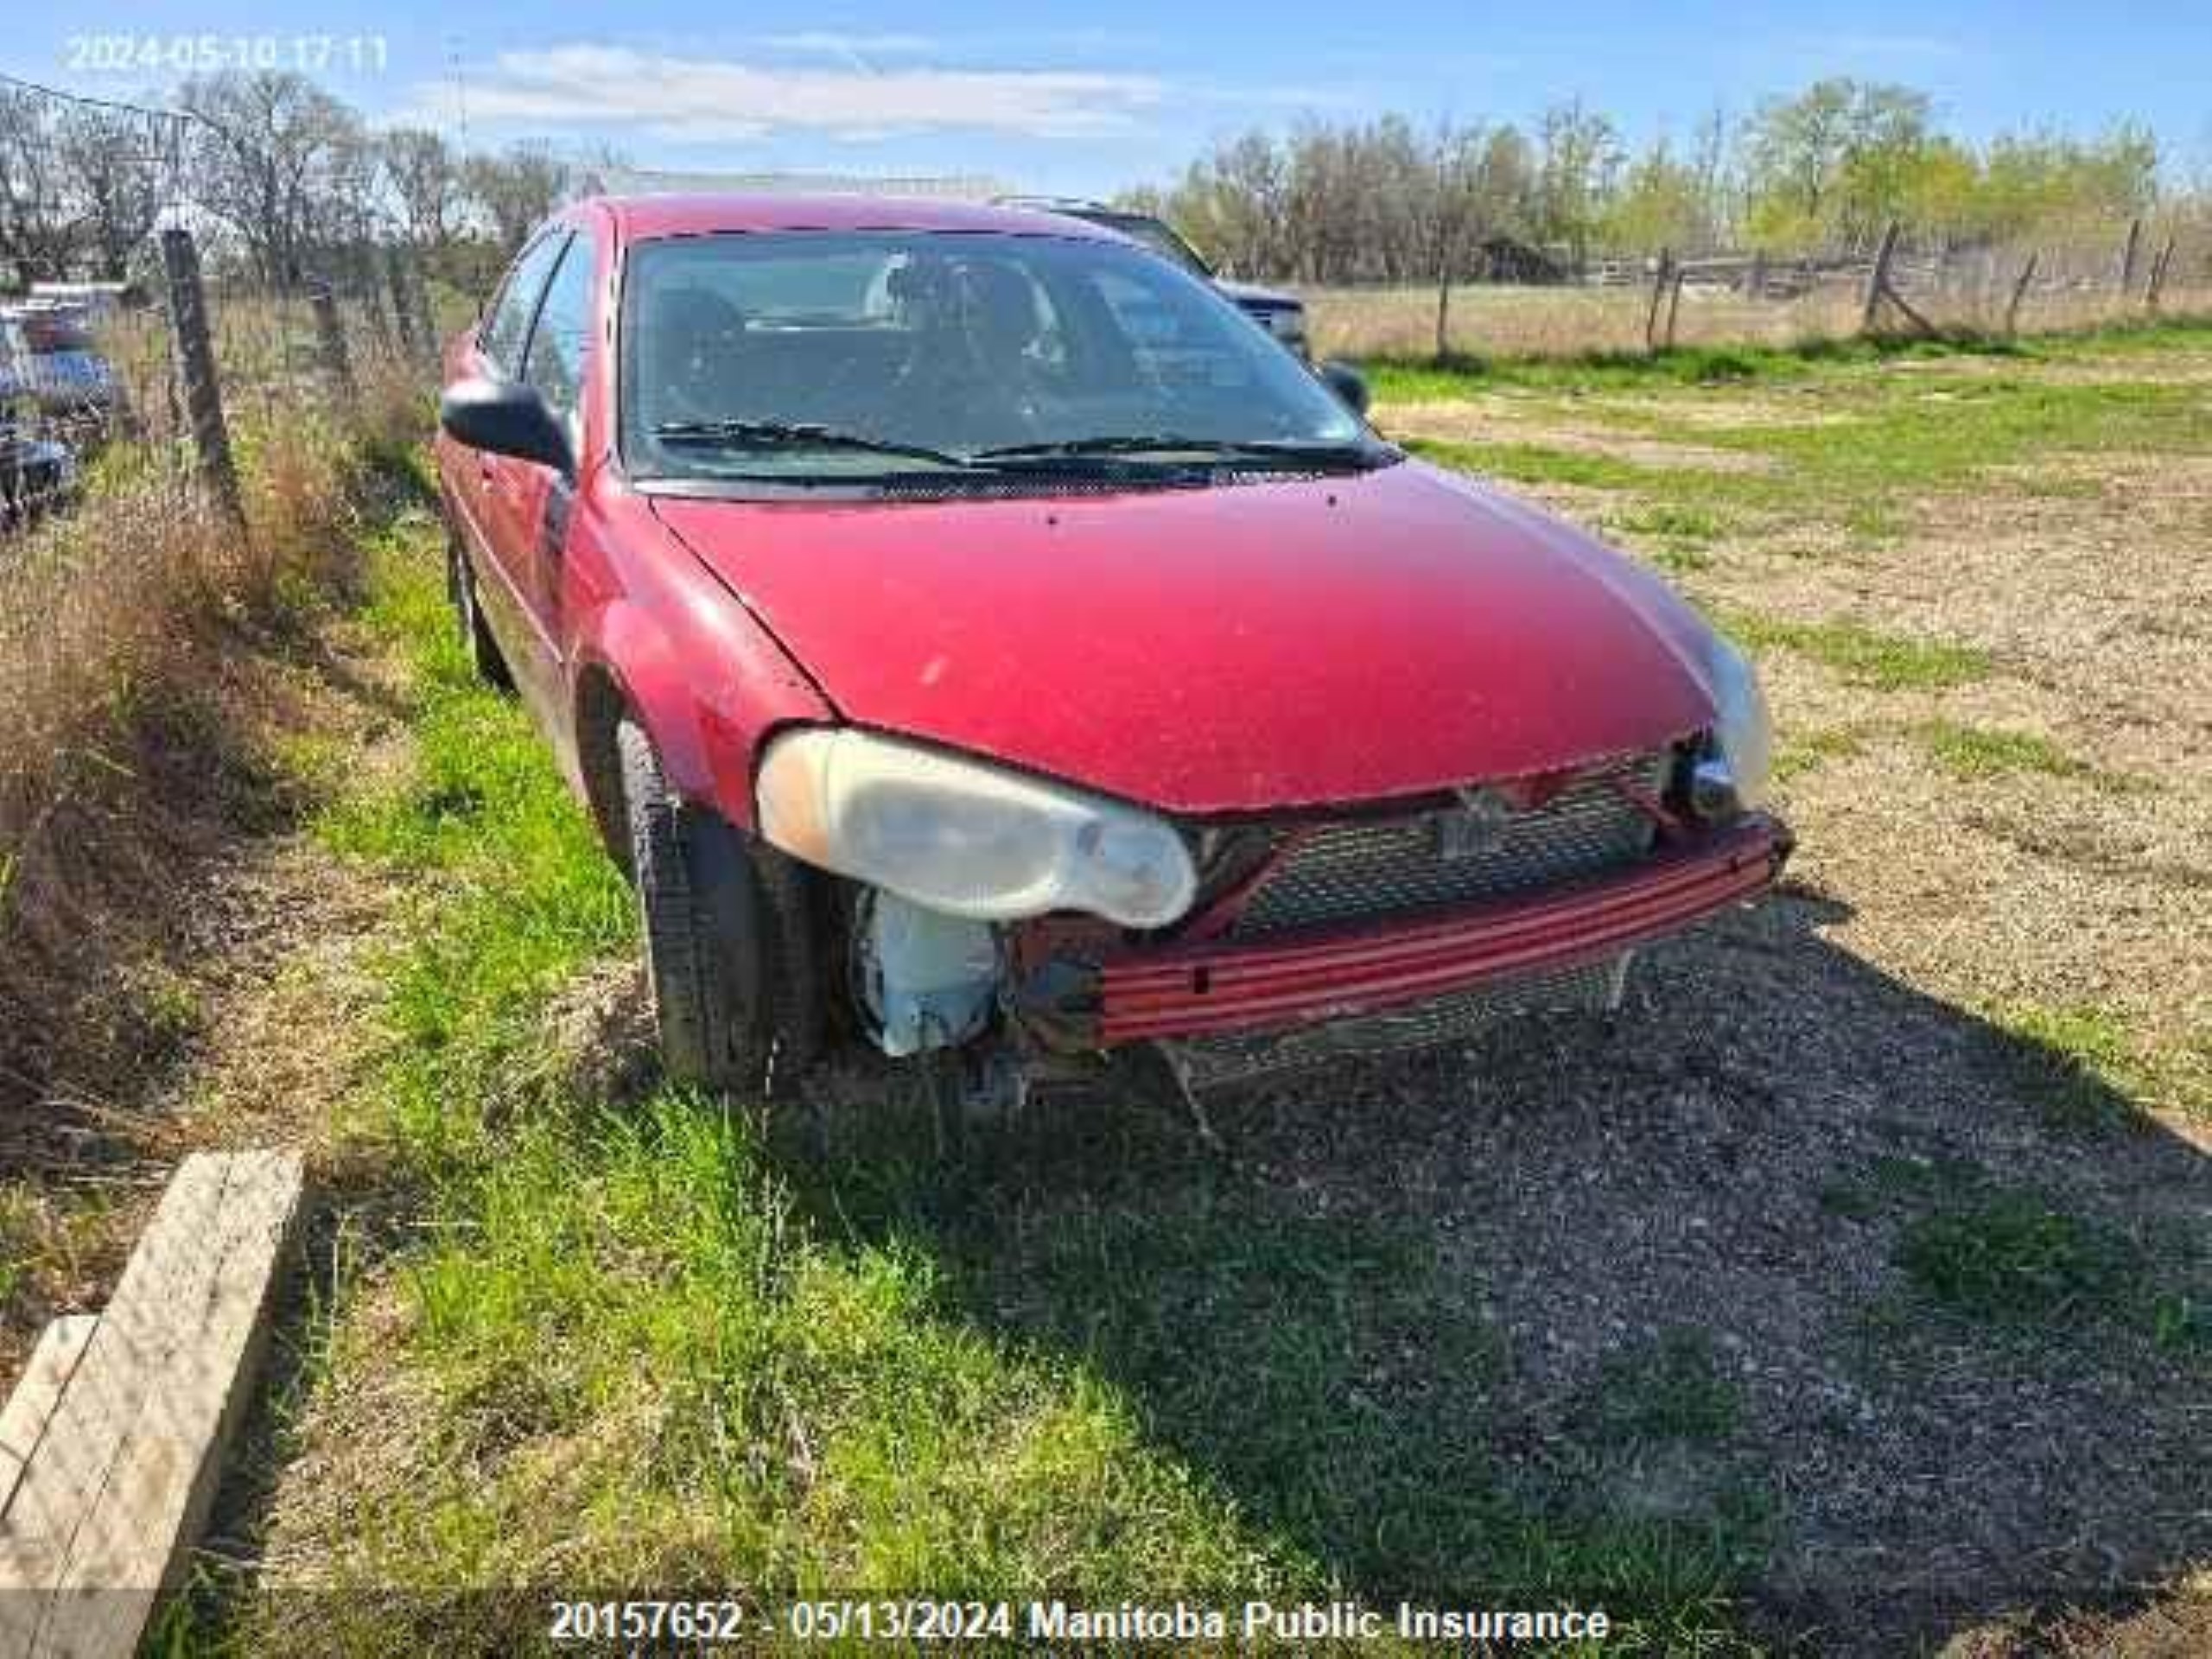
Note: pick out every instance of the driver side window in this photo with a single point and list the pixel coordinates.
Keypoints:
(508, 327)
(554, 362)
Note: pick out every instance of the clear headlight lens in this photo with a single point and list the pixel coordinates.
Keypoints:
(1741, 727)
(964, 838)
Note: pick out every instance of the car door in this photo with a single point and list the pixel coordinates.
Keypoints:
(490, 489)
(555, 363)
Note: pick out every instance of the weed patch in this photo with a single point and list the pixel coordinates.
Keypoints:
(1801, 753)
(2007, 1259)
(1978, 752)
(1672, 1389)
(1862, 656)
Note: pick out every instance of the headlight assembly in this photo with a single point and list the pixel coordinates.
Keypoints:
(965, 838)
(1742, 729)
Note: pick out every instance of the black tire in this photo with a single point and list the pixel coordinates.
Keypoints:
(732, 952)
(476, 641)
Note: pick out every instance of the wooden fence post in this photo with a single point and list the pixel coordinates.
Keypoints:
(402, 312)
(2155, 292)
(365, 283)
(1661, 280)
(2019, 293)
(330, 340)
(2129, 256)
(1880, 286)
(1877, 282)
(418, 301)
(1673, 307)
(194, 351)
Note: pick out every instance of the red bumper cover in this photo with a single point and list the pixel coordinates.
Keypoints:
(1210, 988)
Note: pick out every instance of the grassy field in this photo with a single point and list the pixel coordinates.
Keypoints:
(1851, 1290)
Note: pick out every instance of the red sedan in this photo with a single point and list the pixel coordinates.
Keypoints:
(969, 627)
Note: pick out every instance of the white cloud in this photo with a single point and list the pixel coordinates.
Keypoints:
(837, 45)
(690, 99)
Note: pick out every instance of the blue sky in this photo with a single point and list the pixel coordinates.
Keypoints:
(1090, 99)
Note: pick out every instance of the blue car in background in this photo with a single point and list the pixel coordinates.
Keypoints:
(50, 361)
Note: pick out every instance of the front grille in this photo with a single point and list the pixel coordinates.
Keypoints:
(1369, 869)
(1212, 1062)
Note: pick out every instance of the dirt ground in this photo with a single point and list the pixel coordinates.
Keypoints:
(1991, 971)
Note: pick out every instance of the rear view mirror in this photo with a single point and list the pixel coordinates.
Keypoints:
(1348, 383)
(505, 417)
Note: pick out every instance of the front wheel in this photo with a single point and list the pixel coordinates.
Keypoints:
(731, 951)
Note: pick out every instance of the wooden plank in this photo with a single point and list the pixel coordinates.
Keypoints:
(24, 1419)
(104, 1516)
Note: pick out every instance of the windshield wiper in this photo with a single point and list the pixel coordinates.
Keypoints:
(1139, 444)
(791, 435)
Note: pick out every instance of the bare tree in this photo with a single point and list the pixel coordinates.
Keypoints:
(110, 171)
(279, 160)
(516, 189)
(1579, 168)
(39, 228)
(423, 175)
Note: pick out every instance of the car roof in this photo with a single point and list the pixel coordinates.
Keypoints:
(639, 218)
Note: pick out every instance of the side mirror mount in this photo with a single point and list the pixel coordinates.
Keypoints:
(1348, 383)
(505, 417)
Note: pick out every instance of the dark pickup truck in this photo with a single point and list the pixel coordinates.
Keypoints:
(1281, 314)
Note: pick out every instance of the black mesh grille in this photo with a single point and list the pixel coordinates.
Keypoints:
(1360, 869)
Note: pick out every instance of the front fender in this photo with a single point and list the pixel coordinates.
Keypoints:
(707, 701)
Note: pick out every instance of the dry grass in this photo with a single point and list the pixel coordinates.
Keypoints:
(1506, 321)
(138, 698)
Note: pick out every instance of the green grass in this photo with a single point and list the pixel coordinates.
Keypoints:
(1413, 379)
(2006, 1262)
(2084, 1066)
(1978, 752)
(1535, 463)
(2007, 1258)
(672, 1340)
(1862, 656)
(1672, 1389)
(1800, 752)
(1887, 440)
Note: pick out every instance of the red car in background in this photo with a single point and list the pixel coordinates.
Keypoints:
(970, 629)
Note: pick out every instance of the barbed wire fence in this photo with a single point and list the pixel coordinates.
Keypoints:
(145, 333)
(1516, 299)
(186, 411)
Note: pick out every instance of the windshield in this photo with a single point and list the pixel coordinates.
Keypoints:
(49, 333)
(808, 355)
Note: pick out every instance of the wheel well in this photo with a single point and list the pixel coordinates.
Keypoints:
(600, 707)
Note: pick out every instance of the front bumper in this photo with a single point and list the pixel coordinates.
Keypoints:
(1214, 988)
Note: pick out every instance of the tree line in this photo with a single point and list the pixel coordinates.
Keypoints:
(1823, 172)
(284, 172)
(281, 172)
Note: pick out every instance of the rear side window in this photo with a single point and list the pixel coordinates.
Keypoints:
(557, 344)
(503, 336)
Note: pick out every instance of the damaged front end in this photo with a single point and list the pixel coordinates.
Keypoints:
(1313, 940)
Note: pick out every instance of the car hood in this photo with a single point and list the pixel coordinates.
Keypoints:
(1240, 648)
(1251, 294)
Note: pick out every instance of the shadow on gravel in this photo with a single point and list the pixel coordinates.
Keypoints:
(1788, 1284)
